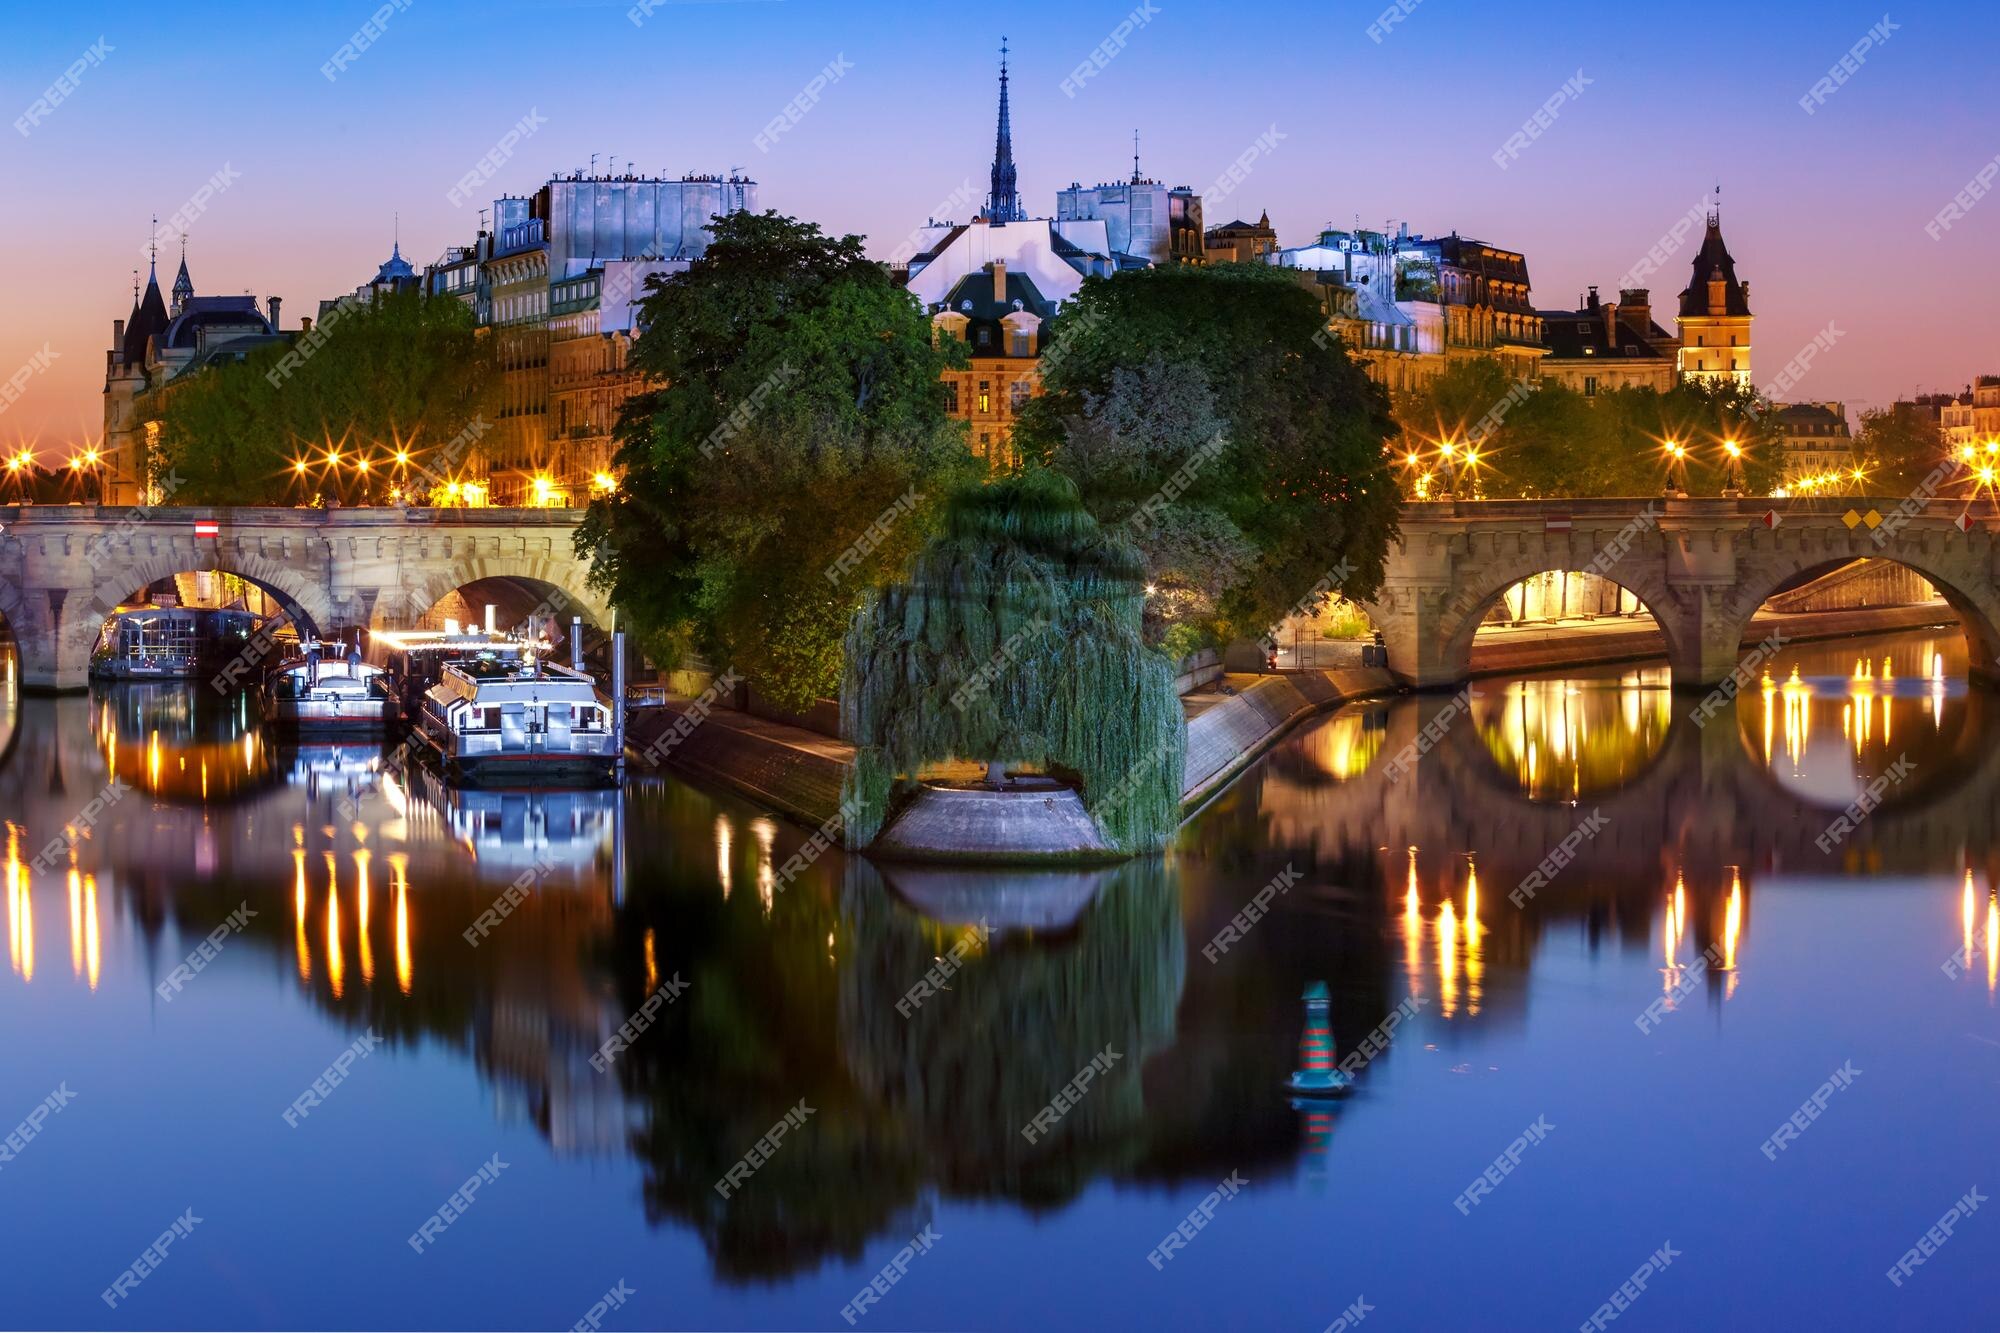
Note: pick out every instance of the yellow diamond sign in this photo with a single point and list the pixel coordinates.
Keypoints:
(1850, 518)
(1872, 519)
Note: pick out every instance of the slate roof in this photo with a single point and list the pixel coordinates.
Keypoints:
(1714, 257)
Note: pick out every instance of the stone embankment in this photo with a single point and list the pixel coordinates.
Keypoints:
(797, 771)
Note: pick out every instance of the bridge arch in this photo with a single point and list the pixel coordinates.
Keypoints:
(536, 583)
(304, 601)
(1965, 588)
(1462, 614)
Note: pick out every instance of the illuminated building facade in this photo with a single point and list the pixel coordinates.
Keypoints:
(1715, 315)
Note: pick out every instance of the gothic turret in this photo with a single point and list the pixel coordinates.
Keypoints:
(183, 284)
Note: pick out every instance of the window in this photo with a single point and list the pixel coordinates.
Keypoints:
(1023, 343)
(985, 397)
(1590, 386)
(1017, 395)
(951, 396)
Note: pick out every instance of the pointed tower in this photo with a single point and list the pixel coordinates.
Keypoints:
(1715, 313)
(183, 285)
(1003, 203)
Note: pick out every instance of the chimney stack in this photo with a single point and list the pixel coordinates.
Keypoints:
(305, 325)
(274, 301)
(1000, 281)
(117, 334)
(1635, 305)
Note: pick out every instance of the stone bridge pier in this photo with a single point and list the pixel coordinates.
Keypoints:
(63, 569)
(1702, 567)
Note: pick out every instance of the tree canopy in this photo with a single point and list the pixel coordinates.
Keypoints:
(1204, 411)
(1899, 450)
(1547, 440)
(1017, 638)
(397, 374)
(793, 460)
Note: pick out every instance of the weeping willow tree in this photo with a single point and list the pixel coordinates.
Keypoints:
(1016, 640)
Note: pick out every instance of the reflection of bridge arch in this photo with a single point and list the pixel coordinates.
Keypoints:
(1931, 783)
(1703, 803)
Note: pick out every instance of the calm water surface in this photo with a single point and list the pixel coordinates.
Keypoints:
(1664, 995)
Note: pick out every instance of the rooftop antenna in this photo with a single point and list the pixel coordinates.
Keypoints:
(1135, 157)
(154, 249)
(593, 164)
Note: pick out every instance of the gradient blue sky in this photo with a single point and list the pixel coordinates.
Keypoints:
(1825, 212)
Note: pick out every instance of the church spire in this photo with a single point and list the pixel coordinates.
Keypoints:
(183, 285)
(1003, 204)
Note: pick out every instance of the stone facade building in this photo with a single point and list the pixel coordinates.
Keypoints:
(1815, 441)
(1145, 222)
(1240, 242)
(152, 350)
(1607, 345)
(1408, 306)
(558, 281)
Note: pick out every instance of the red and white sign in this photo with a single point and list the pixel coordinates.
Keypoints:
(207, 527)
(1963, 522)
(1556, 523)
(1772, 518)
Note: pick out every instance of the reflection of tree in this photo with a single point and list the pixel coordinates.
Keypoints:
(971, 1065)
(752, 1036)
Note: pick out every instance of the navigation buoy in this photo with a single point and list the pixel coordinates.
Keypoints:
(1317, 1075)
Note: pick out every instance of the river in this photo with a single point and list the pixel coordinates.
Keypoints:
(297, 1000)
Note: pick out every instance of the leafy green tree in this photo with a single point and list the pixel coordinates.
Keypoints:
(793, 461)
(1298, 469)
(1899, 449)
(1153, 421)
(401, 373)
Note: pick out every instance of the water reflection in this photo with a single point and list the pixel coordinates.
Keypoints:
(1573, 737)
(1451, 882)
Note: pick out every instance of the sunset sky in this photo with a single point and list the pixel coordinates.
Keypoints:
(1825, 212)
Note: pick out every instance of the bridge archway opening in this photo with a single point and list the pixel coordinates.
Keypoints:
(281, 618)
(1526, 625)
(522, 604)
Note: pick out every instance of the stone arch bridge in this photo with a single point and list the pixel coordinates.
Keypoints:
(1702, 567)
(64, 568)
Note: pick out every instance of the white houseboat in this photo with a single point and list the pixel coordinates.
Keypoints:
(527, 722)
(415, 659)
(325, 691)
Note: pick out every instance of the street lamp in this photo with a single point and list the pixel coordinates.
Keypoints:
(1449, 453)
(1732, 482)
(1676, 463)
